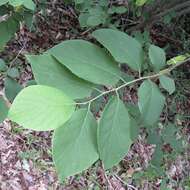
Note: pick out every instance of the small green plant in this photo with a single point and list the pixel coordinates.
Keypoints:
(11, 13)
(67, 76)
(10, 75)
(132, 15)
(94, 13)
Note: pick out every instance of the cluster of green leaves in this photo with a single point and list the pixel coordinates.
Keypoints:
(11, 13)
(67, 75)
(12, 87)
(94, 13)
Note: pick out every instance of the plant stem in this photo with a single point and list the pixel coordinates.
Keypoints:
(162, 72)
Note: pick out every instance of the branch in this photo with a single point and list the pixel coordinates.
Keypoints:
(162, 72)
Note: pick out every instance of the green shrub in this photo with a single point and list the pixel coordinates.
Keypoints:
(68, 75)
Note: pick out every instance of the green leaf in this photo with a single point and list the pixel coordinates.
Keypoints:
(94, 20)
(169, 136)
(29, 4)
(157, 156)
(74, 144)
(7, 31)
(123, 48)
(157, 57)
(151, 102)
(48, 71)
(3, 110)
(135, 114)
(12, 88)
(154, 138)
(167, 83)
(3, 2)
(87, 61)
(3, 66)
(30, 83)
(41, 108)
(103, 3)
(29, 19)
(114, 137)
(178, 59)
(118, 10)
(97, 16)
(83, 19)
(133, 110)
(134, 129)
(13, 73)
(169, 130)
(140, 2)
